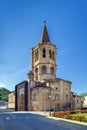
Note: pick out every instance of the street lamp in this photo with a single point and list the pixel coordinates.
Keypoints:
(50, 104)
(48, 80)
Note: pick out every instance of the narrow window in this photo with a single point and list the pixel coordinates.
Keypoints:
(53, 55)
(77, 101)
(37, 54)
(44, 52)
(36, 74)
(50, 54)
(67, 97)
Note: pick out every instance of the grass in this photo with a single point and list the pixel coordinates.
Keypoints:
(77, 115)
(80, 114)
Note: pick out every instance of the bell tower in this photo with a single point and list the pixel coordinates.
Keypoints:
(44, 58)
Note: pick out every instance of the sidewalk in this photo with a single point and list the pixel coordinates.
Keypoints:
(67, 120)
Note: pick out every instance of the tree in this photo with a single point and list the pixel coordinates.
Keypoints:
(4, 94)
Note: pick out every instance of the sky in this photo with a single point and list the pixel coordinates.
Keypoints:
(21, 24)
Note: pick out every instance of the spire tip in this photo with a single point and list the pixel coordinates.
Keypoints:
(44, 22)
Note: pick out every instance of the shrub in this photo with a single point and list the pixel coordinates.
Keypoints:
(59, 114)
(75, 111)
(67, 115)
(83, 111)
(79, 118)
(78, 111)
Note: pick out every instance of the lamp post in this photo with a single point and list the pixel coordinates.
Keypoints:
(30, 80)
(50, 104)
(48, 80)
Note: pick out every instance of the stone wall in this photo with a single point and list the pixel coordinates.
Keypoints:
(56, 96)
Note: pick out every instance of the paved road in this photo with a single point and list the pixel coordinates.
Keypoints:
(28, 121)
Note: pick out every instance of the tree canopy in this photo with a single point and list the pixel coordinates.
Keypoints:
(4, 94)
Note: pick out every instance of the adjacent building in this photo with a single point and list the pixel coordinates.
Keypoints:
(85, 102)
(11, 100)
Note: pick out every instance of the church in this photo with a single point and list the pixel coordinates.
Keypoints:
(43, 91)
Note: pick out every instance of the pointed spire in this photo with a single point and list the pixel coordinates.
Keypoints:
(44, 36)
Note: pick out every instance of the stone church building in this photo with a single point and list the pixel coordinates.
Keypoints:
(43, 91)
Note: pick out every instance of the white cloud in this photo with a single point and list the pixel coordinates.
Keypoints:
(2, 85)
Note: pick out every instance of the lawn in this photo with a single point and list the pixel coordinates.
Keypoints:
(77, 115)
(80, 114)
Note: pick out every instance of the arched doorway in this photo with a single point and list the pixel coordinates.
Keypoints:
(21, 103)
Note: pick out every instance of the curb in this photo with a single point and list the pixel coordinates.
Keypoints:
(56, 118)
(67, 120)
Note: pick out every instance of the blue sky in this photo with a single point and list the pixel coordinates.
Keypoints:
(21, 23)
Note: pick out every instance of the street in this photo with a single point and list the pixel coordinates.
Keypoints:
(28, 121)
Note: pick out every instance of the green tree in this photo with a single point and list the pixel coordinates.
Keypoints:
(4, 94)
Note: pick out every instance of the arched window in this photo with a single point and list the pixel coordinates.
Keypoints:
(52, 70)
(36, 70)
(44, 70)
(44, 52)
(53, 55)
(50, 54)
(36, 55)
(34, 96)
(36, 74)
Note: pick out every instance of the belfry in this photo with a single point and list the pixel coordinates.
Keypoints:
(44, 58)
